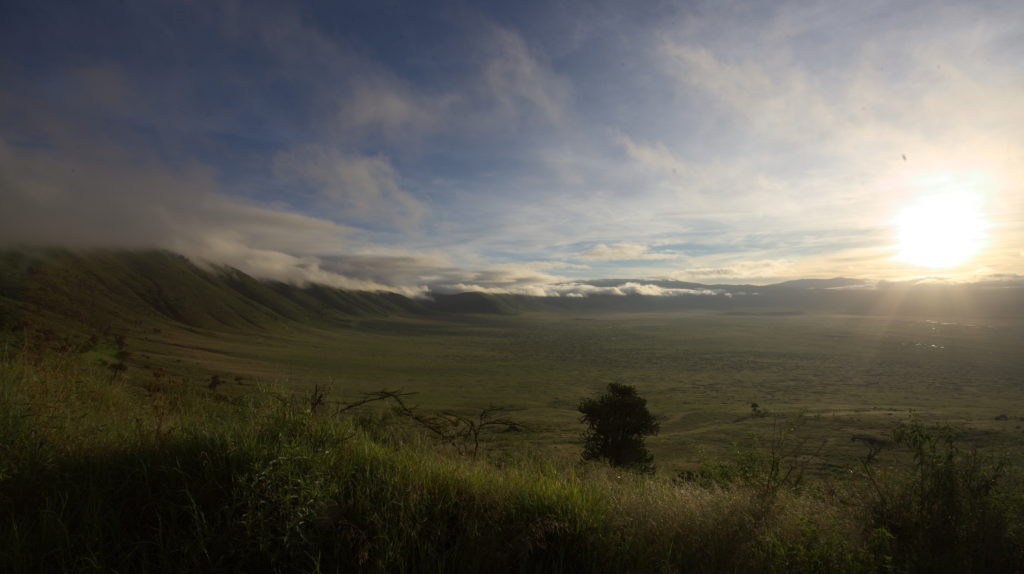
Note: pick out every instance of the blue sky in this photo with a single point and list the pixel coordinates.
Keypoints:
(515, 147)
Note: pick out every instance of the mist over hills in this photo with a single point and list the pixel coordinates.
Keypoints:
(123, 289)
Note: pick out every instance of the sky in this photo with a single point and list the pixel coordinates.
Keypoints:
(521, 147)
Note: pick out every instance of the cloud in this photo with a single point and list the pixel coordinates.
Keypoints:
(623, 251)
(815, 138)
(616, 251)
(353, 187)
(775, 98)
(579, 290)
(655, 157)
(111, 197)
(258, 241)
(83, 189)
(861, 98)
(390, 108)
(346, 96)
(712, 187)
(634, 288)
(300, 270)
(518, 82)
(507, 86)
(748, 270)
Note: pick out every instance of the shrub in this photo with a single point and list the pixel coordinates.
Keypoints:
(952, 511)
(617, 424)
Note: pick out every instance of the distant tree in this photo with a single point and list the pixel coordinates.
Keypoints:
(617, 424)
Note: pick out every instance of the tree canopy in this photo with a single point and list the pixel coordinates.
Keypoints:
(617, 424)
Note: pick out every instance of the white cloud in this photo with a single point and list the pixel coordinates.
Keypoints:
(576, 290)
(615, 251)
(656, 157)
(374, 103)
(279, 266)
(392, 109)
(737, 270)
(519, 82)
(353, 187)
(766, 94)
(634, 288)
(623, 252)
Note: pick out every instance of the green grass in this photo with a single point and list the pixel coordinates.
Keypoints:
(102, 475)
(699, 371)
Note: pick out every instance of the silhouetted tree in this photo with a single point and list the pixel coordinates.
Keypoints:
(618, 422)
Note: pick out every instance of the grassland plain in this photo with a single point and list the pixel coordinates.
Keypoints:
(699, 370)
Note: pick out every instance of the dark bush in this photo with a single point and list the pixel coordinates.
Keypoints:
(617, 424)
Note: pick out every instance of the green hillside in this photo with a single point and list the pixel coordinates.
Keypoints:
(133, 290)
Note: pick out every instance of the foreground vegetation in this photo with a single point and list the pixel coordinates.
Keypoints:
(97, 474)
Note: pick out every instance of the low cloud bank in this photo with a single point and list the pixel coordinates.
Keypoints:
(580, 290)
(419, 275)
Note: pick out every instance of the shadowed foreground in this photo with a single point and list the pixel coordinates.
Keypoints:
(98, 475)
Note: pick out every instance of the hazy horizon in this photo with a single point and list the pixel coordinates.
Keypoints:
(448, 147)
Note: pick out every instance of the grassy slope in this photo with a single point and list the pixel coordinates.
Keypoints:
(132, 291)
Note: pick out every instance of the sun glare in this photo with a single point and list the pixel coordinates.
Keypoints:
(941, 230)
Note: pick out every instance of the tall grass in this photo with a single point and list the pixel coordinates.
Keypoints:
(100, 475)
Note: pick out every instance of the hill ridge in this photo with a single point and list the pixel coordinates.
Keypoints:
(108, 289)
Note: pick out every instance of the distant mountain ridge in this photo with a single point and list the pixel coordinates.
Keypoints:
(834, 283)
(108, 289)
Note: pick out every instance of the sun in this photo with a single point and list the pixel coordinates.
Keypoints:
(941, 230)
